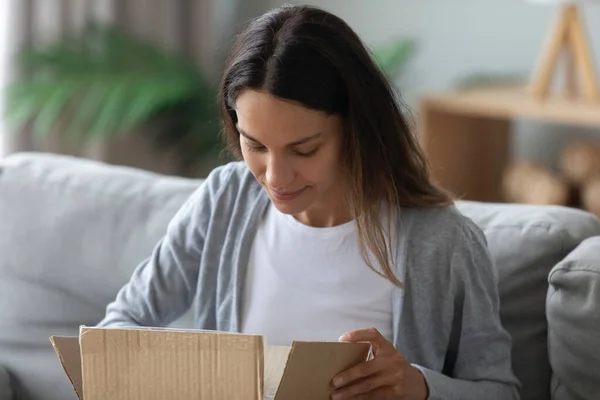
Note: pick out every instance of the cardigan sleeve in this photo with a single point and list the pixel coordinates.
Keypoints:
(450, 327)
(163, 287)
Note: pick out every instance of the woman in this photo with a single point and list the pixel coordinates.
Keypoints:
(329, 226)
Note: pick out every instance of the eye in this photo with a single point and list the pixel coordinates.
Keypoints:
(255, 148)
(306, 154)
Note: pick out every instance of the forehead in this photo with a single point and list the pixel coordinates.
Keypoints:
(264, 116)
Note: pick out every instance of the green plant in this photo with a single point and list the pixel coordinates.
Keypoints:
(103, 83)
(393, 56)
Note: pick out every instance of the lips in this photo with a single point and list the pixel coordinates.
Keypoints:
(286, 196)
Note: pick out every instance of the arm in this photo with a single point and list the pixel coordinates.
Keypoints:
(450, 331)
(482, 362)
(163, 286)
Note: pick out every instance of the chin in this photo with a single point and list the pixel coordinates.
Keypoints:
(292, 207)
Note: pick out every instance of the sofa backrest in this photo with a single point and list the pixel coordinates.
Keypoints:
(573, 311)
(71, 233)
(73, 230)
(526, 242)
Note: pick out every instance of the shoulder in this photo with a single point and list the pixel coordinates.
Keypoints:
(227, 187)
(444, 243)
(229, 183)
(231, 177)
(444, 227)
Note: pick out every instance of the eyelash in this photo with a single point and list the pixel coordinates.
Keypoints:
(262, 149)
(306, 155)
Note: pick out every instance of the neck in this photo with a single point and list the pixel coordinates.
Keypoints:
(322, 221)
(326, 215)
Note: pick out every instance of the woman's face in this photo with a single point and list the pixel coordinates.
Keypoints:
(294, 152)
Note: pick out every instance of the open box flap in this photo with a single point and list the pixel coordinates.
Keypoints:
(311, 366)
(170, 364)
(275, 359)
(236, 366)
(67, 350)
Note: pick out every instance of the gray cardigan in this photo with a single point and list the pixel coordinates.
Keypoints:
(445, 320)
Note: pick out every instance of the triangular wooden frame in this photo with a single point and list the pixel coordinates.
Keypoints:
(568, 34)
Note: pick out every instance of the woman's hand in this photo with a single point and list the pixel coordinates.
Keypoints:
(387, 376)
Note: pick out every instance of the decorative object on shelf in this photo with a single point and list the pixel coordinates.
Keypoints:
(590, 195)
(575, 184)
(580, 161)
(568, 34)
(531, 183)
(467, 134)
(490, 80)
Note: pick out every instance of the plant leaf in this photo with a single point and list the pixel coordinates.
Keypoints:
(392, 57)
(93, 94)
(109, 112)
(24, 100)
(51, 112)
(104, 83)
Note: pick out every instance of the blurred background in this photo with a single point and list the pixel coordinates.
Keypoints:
(132, 82)
(503, 96)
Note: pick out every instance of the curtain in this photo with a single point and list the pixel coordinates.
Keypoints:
(200, 29)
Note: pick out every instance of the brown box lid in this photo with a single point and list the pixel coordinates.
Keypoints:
(145, 363)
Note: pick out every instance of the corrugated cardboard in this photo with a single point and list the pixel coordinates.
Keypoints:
(142, 363)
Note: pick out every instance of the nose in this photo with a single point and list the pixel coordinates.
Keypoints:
(280, 172)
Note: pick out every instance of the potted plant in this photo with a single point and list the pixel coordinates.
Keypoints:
(103, 86)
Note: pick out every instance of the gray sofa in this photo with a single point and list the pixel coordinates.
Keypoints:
(72, 231)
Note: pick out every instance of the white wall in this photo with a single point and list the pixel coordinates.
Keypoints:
(460, 37)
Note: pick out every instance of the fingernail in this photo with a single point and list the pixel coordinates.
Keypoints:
(336, 396)
(338, 381)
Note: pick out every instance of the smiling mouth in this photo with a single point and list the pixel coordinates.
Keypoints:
(287, 195)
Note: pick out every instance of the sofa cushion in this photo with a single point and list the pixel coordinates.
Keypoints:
(573, 309)
(526, 242)
(5, 387)
(71, 233)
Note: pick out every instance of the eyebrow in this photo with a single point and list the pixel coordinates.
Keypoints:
(296, 143)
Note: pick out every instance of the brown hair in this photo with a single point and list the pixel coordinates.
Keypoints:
(307, 55)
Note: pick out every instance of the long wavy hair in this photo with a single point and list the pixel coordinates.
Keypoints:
(307, 55)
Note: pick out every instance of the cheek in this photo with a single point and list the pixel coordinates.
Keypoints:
(255, 162)
(325, 167)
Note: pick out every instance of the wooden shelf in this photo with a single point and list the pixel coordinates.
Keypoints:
(466, 135)
(512, 103)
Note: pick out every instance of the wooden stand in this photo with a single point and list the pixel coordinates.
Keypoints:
(466, 135)
(568, 34)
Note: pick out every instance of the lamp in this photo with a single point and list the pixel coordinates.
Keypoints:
(567, 34)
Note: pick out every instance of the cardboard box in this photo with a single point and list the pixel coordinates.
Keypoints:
(145, 363)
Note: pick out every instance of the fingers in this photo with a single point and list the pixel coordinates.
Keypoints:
(361, 335)
(371, 335)
(381, 393)
(371, 387)
(382, 377)
(360, 371)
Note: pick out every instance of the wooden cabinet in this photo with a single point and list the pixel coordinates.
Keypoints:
(466, 135)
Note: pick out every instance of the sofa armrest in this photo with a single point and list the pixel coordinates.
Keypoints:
(573, 312)
(6, 392)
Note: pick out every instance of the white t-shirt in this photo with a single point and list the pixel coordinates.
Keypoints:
(311, 284)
